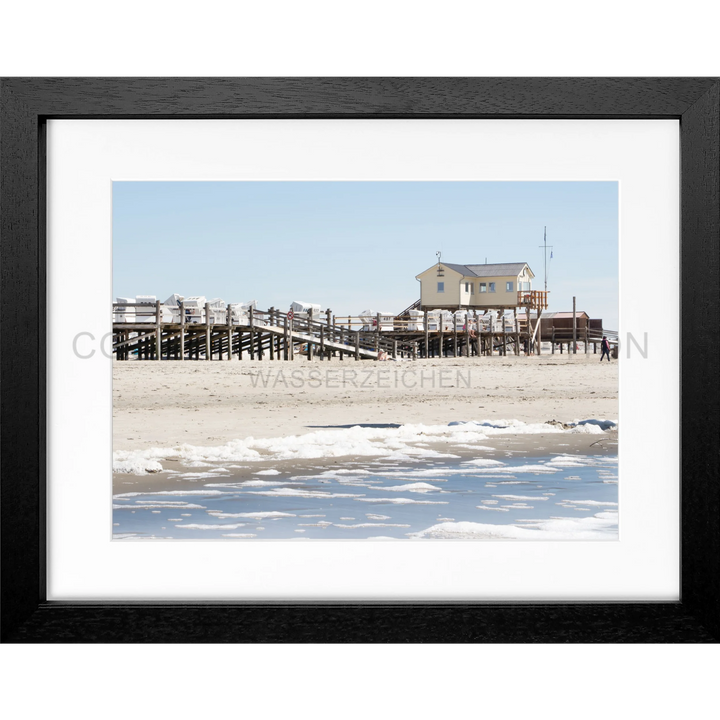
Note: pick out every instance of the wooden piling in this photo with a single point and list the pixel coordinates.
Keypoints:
(309, 332)
(529, 331)
(427, 335)
(333, 334)
(158, 330)
(182, 330)
(208, 333)
(229, 332)
(251, 314)
(260, 352)
(574, 328)
(292, 344)
(286, 336)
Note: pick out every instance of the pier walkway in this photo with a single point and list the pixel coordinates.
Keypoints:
(152, 331)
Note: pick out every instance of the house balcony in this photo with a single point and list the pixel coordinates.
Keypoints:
(533, 299)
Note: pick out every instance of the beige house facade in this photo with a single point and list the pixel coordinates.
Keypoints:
(454, 287)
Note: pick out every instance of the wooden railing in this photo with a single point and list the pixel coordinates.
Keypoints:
(533, 299)
(311, 332)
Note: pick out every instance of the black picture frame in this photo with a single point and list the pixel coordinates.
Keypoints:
(25, 106)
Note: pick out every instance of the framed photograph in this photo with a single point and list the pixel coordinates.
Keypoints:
(363, 360)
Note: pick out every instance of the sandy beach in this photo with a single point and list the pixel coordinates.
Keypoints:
(160, 404)
(453, 448)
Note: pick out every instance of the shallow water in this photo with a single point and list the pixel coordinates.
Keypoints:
(546, 498)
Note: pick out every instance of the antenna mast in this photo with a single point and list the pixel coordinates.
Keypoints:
(545, 247)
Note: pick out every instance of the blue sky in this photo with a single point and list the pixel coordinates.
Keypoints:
(353, 246)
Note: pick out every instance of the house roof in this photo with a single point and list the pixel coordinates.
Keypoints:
(495, 269)
(462, 269)
(564, 315)
(486, 269)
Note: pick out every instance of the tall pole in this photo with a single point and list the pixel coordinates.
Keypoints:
(574, 328)
(545, 247)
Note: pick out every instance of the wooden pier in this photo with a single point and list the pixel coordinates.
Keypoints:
(270, 334)
(277, 335)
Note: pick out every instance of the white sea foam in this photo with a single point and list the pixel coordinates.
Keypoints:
(295, 492)
(519, 497)
(365, 525)
(591, 502)
(168, 503)
(400, 501)
(136, 466)
(587, 430)
(399, 443)
(239, 535)
(497, 472)
(419, 487)
(199, 493)
(158, 507)
(569, 461)
(423, 472)
(268, 514)
(250, 484)
(271, 471)
(491, 476)
(200, 526)
(602, 526)
(371, 516)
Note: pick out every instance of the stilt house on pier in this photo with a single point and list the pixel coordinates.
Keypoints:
(447, 286)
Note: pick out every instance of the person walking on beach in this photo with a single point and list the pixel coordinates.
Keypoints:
(605, 345)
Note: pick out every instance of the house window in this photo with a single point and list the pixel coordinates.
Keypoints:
(492, 287)
(509, 286)
(483, 287)
(441, 287)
